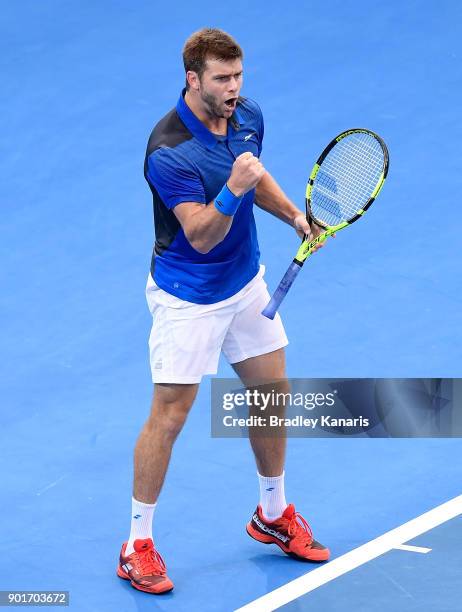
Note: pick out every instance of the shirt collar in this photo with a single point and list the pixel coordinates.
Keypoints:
(197, 128)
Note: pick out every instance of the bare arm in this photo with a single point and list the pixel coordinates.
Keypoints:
(270, 197)
(204, 225)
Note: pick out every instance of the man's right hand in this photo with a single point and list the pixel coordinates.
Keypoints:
(246, 174)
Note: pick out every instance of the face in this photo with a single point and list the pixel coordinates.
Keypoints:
(219, 87)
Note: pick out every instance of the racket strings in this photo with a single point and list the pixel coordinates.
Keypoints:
(355, 175)
(347, 178)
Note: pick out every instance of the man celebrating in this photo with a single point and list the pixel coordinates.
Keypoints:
(206, 290)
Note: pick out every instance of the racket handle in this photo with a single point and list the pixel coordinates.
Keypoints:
(281, 292)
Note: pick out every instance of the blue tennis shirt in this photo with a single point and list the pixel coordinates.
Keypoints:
(185, 162)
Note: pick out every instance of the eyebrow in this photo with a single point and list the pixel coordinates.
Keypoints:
(220, 76)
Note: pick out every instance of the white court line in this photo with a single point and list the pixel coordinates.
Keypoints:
(355, 558)
(419, 549)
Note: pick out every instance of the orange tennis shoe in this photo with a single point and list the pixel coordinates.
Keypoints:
(290, 532)
(145, 568)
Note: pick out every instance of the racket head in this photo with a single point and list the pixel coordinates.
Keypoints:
(346, 178)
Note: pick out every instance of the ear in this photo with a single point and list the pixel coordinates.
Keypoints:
(193, 80)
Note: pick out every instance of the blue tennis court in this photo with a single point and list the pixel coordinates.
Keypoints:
(83, 84)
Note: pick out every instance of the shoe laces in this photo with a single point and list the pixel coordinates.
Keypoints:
(150, 562)
(299, 528)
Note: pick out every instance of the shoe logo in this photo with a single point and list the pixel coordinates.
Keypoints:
(270, 489)
(248, 136)
(137, 516)
(266, 529)
(127, 567)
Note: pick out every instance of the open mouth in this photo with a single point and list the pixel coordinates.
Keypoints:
(231, 103)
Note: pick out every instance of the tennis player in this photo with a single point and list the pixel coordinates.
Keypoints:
(206, 291)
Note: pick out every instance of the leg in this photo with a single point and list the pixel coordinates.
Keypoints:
(275, 522)
(139, 562)
(184, 344)
(266, 369)
(170, 407)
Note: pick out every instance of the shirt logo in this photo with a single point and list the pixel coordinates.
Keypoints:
(248, 136)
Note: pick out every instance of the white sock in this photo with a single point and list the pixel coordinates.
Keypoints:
(272, 496)
(141, 523)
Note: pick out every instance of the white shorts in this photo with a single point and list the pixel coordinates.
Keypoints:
(186, 338)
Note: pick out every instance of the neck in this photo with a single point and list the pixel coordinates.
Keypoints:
(217, 125)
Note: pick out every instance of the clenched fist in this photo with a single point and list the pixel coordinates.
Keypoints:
(246, 174)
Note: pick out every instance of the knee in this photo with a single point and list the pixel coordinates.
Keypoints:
(168, 420)
(172, 423)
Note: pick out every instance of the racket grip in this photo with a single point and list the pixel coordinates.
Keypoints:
(270, 310)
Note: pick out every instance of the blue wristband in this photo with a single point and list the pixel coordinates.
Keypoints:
(226, 202)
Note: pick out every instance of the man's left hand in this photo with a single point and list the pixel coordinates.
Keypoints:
(303, 228)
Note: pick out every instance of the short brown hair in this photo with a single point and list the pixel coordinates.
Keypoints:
(209, 43)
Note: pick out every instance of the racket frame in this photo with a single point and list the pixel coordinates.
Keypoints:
(307, 247)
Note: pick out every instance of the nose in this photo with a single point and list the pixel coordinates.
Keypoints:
(233, 84)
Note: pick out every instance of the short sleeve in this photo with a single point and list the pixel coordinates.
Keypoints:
(261, 129)
(257, 117)
(174, 181)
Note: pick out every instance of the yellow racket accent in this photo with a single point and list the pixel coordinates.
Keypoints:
(306, 248)
(380, 183)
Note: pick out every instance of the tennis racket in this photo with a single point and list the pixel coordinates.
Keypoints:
(344, 182)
